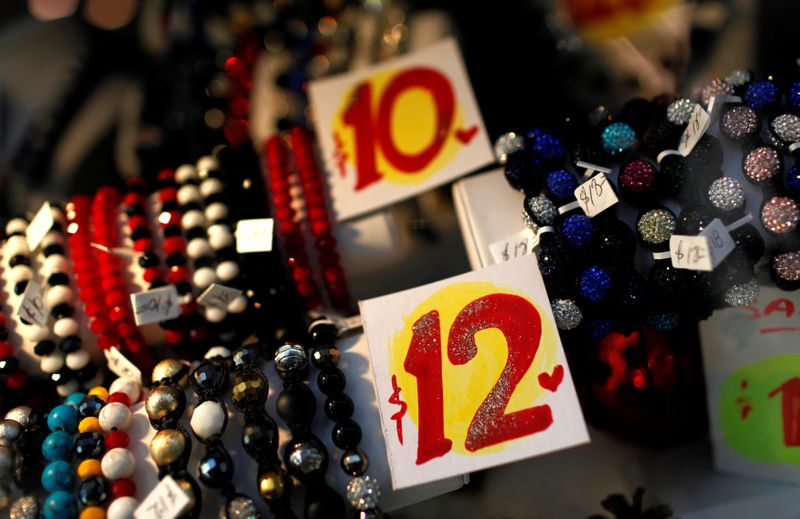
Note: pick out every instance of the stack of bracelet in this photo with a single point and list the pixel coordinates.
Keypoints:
(171, 446)
(362, 491)
(141, 233)
(249, 392)
(304, 456)
(23, 432)
(208, 422)
(93, 491)
(193, 222)
(58, 477)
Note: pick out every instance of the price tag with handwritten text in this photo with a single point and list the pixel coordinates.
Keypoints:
(121, 366)
(515, 246)
(596, 195)
(254, 235)
(166, 501)
(40, 225)
(690, 252)
(154, 306)
(397, 129)
(32, 307)
(470, 374)
(218, 296)
(695, 129)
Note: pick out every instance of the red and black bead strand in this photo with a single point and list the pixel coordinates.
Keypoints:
(141, 233)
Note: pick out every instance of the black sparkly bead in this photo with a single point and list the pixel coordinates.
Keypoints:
(354, 462)
(216, 468)
(296, 405)
(19, 259)
(62, 376)
(667, 282)
(203, 261)
(552, 257)
(89, 445)
(260, 436)
(209, 377)
(86, 373)
(339, 407)
(45, 347)
(148, 259)
(58, 278)
(672, 175)
(62, 310)
(659, 136)
(8, 365)
(172, 230)
(692, 221)
(93, 491)
(176, 259)
(323, 333)
(141, 232)
(52, 249)
(70, 344)
(524, 171)
(90, 406)
(249, 390)
(346, 435)
(3, 333)
(19, 288)
(749, 241)
(707, 154)
(615, 242)
(196, 232)
(331, 381)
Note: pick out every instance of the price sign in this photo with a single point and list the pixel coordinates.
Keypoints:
(695, 129)
(121, 366)
(254, 235)
(470, 373)
(32, 307)
(166, 501)
(39, 226)
(690, 252)
(153, 306)
(515, 246)
(398, 129)
(596, 195)
(218, 296)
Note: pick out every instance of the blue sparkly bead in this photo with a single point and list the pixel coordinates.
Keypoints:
(617, 137)
(548, 146)
(57, 446)
(60, 505)
(761, 94)
(58, 475)
(577, 230)
(561, 185)
(90, 406)
(89, 445)
(793, 179)
(595, 283)
(74, 400)
(599, 328)
(663, 321)
(793, 98)
(63, 418)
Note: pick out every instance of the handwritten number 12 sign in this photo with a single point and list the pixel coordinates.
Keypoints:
(397, 129)
(470, 374)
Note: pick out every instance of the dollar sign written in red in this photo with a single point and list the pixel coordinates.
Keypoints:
(398, 416)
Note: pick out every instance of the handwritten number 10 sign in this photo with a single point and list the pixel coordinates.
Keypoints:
(397, 129)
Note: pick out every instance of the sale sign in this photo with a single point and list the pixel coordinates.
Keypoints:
(398, 129)
(752, 365)
(470, 374)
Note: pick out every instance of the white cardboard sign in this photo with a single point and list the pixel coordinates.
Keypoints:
(470, 374)
(398, 129)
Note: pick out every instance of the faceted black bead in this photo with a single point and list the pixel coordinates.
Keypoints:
(139, 189)
(19, 288)
(246, 355)
(296, 405)
(148, 259)
(324, 504)
(87, 373)
(140, 233)
(172, 230)
(8, 365)
(214, 198)
(55, 248)
(62, 376)
(134, 209)
(191, 206)
(70, 344)
(214, 173)
(260, 436)
(331, 381)
(176, 259)
(210, 376)
(93, 491)
(323, 333)
(170, 205)
(346, 435)
(325, 357)
(62, 310)
(45, 347)
(3, 333)
(90, 406)
(56, 227)
(203, 261)
(16, 233)
(157, 283)
(183, 287)
(196, 232)
(339, 407)
(355, 462)
(216, 468)
(19, 259)
(227, 253)
(89, 445)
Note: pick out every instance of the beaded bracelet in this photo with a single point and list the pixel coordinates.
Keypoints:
(27, 430)
(58, 477)
(89, 448)
(14, 378)
(193, 222)
(140, 232)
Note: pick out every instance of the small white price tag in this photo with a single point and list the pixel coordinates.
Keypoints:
(695, 129)
(719, 240)
(166, 501)
(39, 226)
(254, 235)
(32, 307)
(690, 252)
(515, 246)
(121, 366)
(218, 296)
(153, 306)
(596, 195)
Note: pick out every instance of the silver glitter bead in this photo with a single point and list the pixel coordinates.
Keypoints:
(507, 144)
(290, 358)
(363, 492)
(10, 429)
(739, 122)
(306, 457)
(240, 507)
(566, 313)
(726, 194)
(542, 209)
(786, 128)
(656, 226)
(737, 77)
(20, 414)
(742, 294)
(716, 87)
(26, 507)
(679, 112)
(787, 266)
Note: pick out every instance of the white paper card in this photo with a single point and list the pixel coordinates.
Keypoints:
(165, 501)
(515, 246)
(690, 252)
(121, 366)
(397, 129)
(32, 307)
(218, 296)
(153, 306)
(695, 129)
(720, 242)
(470, 374)
(254, 235)
(39, 226)
(596, 195)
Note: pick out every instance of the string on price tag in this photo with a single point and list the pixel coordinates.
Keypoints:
(153, 306)
(166, 501)
(122, 252)
(254, 235)
(695, 129)
(218, 296)
(596, 195)
(121, 366)
(515, 246)
(32, 307)
(39, 226)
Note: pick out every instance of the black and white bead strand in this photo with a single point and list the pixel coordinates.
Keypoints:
(18, 255)
(193, 223)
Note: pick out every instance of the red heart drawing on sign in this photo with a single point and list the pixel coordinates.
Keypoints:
(466, 134)
(551, 381)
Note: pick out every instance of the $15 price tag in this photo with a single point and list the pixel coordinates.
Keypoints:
(470, 373)
(397, 129)
(153, 306)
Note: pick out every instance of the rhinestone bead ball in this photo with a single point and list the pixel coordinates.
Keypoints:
(561, 185)
(617, 137)
(762, 164)
(793, 97)
(679, 112)
(742, 294)
(577, 230)
(726, 194)
(787, 128)
(738, 77)
(566, 314)
(547, 146)
(637, 178)
(761, 94)
(507, 144)
(595, 283)
(739, 122)
(716, 87)
(780, 214)
(541, 210)
(787, 266)
(656, 226)
(363, 492)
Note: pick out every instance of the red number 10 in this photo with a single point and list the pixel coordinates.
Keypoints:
(371, 132)
(521, 324)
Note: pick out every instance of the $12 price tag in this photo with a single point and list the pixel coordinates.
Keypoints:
(470, 373)
(398, 129)
(166, 501)
(704, 251)
(153, 306)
